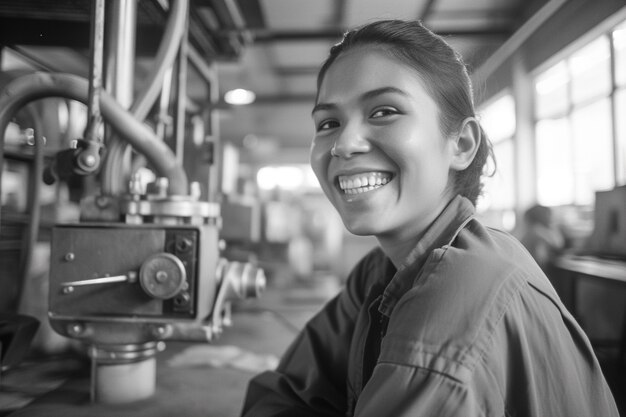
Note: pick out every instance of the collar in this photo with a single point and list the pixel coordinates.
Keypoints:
(442, 232)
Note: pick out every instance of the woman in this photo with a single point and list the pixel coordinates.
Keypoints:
(447, 317)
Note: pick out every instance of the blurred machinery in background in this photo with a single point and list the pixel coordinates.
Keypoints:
(144, 263)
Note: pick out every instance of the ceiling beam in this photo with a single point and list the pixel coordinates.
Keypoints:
(426, 10)
(270, 36)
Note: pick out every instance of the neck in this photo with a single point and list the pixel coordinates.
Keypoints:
(399, 244)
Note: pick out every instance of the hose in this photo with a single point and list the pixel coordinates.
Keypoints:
(168, 49)
(30, 238)
(172, 37)
(139, 136)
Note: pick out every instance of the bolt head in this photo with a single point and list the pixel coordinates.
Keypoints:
(161, 276)
(90, 160)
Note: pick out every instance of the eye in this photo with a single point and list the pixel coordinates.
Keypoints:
(327, 124)
(383, 111)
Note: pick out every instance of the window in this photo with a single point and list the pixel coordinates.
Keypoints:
(554, 162)
(620, 125)
(498, 121)
(573, 130)
(593, 150)
(551, 91)
(590, 70)
(619, 47)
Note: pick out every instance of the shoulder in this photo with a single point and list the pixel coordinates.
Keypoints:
(460, 297)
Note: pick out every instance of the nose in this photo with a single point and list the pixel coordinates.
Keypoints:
(351, 140)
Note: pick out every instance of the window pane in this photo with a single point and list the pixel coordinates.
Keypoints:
(619, 45)
(551, 91)
(498, 118)
(555, 182)
(590, 70)
(620, 103)
(593, 157)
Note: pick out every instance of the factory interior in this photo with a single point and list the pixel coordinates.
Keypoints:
(167, 142)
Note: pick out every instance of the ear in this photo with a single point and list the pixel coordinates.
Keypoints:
(466, 144)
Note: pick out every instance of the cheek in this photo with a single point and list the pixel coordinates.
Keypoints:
(319, 158)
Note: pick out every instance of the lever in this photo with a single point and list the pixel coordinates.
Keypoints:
(131, 277)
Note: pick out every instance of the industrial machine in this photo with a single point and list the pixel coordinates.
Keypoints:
(144, 265)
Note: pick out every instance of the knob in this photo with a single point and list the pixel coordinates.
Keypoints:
(162, 276)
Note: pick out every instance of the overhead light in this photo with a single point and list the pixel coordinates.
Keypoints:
(239, 97)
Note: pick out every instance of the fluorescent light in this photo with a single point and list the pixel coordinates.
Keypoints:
(239, 97)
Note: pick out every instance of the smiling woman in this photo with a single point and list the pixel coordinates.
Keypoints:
(447, 317)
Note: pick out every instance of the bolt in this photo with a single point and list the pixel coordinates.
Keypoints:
(183, 245)
(195, 191)
(161, 276)
(132, 276)
(75, 329)
(69, 257)
(30, 136)
(182, 299)
(161, 331)
(102, 201)
(89, 160)
(68, 290)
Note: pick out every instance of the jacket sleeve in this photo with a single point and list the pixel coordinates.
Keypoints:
(403, 391)
(310, 379)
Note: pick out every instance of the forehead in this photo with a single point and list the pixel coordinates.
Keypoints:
(367, 68)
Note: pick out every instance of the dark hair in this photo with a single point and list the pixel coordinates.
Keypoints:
(443, 72)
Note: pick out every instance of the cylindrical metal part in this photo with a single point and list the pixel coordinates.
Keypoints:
(121, 50)
(123, 373)
(126, 382)
(121, 18)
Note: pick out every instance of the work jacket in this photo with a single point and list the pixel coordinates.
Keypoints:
(468, 326)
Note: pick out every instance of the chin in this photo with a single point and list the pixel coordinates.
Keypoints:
(361, 227)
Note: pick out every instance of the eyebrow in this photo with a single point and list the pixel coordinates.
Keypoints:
(365, 96)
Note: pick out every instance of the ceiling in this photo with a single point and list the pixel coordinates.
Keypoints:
(291, 38)
(271, 47)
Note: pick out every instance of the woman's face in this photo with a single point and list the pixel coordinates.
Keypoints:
(389, 175)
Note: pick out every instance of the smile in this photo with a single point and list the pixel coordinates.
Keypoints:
(364, 182)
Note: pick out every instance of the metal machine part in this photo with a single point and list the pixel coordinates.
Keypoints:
(124, 288)
(142, 266)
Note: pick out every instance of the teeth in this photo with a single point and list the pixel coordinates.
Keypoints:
(361, 183)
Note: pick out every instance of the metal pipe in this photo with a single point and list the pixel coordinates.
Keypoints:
(95, 72)
(34, 190)
(163, 119)
(40, 85)
(121, 34)
(209, 74)
(164, 59)
(118, 157)
(181, 101)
